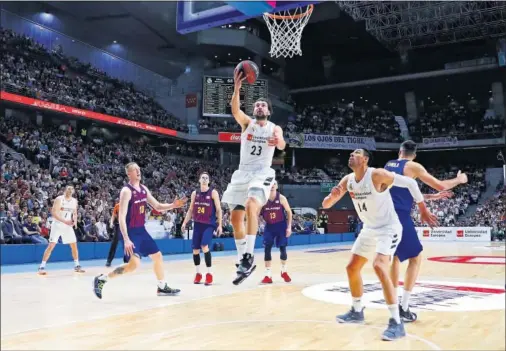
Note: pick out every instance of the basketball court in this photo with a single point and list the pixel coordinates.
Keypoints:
(460, 306)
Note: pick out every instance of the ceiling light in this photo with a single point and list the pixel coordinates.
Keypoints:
(115, 42)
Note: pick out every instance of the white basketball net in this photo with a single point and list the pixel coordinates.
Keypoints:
(286, 30)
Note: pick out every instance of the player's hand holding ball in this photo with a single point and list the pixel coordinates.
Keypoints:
(238, 79)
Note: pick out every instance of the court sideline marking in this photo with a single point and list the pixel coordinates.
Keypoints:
(429, 343)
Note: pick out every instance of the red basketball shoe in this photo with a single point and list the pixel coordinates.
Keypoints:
(198, 278)
(266, 280)
(286, 277)
(209, 279)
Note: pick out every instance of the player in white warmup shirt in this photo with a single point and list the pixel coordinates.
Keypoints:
(64, 214)
(382, 232)
(250, 186)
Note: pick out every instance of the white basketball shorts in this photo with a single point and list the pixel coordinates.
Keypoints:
(243, 182)
(66, 232)
(383, 240)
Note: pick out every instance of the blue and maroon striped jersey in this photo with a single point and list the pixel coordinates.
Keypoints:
(136, 213)
(204, 210)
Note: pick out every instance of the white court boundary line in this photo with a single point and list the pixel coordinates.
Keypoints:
(84, 320)
(429, 343)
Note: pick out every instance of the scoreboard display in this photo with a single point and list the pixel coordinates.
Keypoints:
(217, 93)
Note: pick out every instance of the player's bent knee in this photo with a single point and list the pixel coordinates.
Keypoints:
(267, 252)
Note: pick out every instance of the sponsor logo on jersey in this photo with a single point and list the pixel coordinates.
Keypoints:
(426, 296)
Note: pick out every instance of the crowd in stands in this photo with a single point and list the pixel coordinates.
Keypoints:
(492, 213)
(450, 211)
(339, 119)
(462, 121)
(96, 170)
(27, 68)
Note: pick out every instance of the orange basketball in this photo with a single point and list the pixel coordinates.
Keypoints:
(249, 70)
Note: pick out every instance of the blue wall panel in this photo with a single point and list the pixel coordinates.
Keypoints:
(19, 254)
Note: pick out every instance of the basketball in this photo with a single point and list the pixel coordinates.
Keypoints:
(249, 70)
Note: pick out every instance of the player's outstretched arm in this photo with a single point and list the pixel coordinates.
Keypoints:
(416, 170)
(438, 196)
(336, 193)
(240, 117)
(189, 213)
(165, 207)
(219, 212)
(381, 177)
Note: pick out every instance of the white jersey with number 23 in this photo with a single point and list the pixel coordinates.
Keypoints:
(255, 152)
(375, 209)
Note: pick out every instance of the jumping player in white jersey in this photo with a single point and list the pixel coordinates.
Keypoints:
(64, 214)
(251, 184)
(382, 231)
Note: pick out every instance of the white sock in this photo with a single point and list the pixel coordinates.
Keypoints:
(283, 267)
(76, 263)
(268, 272)
(394, 311)
(357, 304)
(405, 300)
(250, 243)
(197, 269)
(209, 270)
(399, 290)
(161, 284)
(43, 264)
(241, 248)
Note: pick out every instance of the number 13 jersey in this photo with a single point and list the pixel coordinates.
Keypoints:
(374, 209)
(256, 154)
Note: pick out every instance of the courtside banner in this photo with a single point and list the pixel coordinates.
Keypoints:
(19, 99)
(440, 142)
(454, 233)
(226, 137)
(339, 142)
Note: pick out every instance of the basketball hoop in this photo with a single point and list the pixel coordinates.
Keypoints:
(286, 30)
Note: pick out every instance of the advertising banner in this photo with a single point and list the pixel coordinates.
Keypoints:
(440, 142)
(19, 99)
(226, 137)
(454, 233)
(338, 142)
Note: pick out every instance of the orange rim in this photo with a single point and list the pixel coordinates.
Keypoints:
(292, 17)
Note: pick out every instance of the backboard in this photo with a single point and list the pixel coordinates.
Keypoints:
(193, 15)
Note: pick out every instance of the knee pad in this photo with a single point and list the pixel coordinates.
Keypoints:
(267, 250)
(283, 255)
(258, 194)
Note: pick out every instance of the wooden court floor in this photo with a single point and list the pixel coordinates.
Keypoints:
(460, 307)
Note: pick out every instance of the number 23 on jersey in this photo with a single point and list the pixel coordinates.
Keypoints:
(256, 150)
